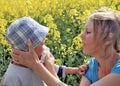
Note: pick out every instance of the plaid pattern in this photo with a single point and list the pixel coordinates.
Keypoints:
(23, 29)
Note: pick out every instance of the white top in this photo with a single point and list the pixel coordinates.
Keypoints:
(21, 76)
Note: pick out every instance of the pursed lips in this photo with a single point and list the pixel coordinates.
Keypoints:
(83, 44)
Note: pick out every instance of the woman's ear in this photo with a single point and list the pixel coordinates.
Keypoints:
(109, 39)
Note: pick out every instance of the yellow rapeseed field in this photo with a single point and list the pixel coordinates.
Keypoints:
(65, 20)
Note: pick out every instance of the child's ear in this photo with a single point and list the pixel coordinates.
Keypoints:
(109, 39)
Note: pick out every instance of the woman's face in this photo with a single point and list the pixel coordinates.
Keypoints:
(91, 42)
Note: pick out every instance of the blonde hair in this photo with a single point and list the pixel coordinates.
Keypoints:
(109, 22)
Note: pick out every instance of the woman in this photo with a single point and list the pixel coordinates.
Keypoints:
(100, 39)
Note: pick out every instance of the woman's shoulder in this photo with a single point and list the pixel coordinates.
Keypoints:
(116, 67)
(92, 61)
(92, 71)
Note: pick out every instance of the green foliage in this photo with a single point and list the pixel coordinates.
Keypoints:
(4, 61)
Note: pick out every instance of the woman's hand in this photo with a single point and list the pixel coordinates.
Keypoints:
(28, 59)
(49, 61)
(49, 64)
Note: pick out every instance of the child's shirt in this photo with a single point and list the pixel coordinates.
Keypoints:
(21, 76)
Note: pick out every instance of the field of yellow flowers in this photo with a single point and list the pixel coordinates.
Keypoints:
(65, 19)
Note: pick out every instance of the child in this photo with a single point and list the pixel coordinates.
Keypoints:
(17, 35)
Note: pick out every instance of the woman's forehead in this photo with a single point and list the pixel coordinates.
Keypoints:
(89, 24)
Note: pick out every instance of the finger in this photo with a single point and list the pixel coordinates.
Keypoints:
(51, 56)
(84, 67)
(81, 69)
(82, 73)
(48, 56)
(29, 43)
(17, 52)
(16, 61)
(15, 58)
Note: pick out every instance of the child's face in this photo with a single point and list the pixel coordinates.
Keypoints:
(39, 49)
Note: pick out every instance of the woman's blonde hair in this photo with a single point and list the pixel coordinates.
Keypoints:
(109, 22)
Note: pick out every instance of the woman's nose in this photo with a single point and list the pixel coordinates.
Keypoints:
(82, 35)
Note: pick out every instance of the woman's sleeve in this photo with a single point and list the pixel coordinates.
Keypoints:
(92, 72)
(88, 73)
(116, 68)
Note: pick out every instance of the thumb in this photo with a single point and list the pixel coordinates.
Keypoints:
(29, 43)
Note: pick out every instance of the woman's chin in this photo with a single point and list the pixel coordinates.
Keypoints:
(85, 52)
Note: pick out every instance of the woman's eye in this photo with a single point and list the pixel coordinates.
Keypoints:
(88, 32)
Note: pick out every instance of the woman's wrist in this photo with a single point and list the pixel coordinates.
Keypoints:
(36, 65)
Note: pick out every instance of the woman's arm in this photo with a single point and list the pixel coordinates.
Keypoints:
(47, 76)
(84, 81)
(109, 80)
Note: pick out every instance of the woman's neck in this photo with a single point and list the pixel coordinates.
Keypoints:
(106, 55)
(106, 63)
(108, 59)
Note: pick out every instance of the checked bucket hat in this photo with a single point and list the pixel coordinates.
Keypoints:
(23, 29)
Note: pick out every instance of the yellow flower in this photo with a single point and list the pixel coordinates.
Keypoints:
(77, 43)
(48, 18)
(68, 30)
(60, 11)
(58, 61)
(73, 12)
(70, 50)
